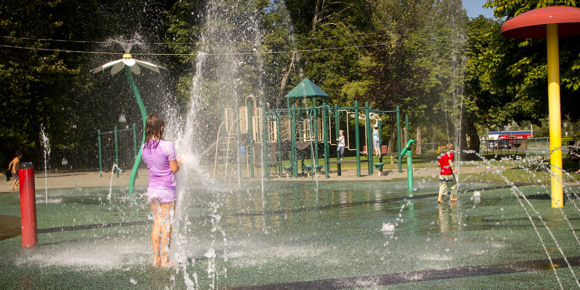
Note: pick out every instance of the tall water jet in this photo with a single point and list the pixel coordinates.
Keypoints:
(227, 70)
(46, 152)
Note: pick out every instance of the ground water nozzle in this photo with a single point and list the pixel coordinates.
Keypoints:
(407, 148)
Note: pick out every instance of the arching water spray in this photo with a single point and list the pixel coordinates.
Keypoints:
(521, 196)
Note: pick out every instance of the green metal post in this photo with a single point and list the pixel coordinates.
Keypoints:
(135, 145)
(294, 162)
(357, 138)
(369, 138)
(325, 136)
(144, 116)
(279, 135)
(410, 171)
(100, 155)
(380, 129)
(337, 130)
(250, 139)
(116, 152)
(399, 139)
(290, 160)
(315, 124)
(265, 143)
(407, 150)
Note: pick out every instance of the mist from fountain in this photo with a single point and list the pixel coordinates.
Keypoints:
(228, 68)
(111, 181)
(127, 44)
(520, 195)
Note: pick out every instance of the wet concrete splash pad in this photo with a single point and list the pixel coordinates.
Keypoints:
(294, 236)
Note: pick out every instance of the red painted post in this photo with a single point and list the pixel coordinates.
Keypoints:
(27, 205)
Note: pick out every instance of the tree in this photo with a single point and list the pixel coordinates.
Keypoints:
(516, 69)
(41, 84)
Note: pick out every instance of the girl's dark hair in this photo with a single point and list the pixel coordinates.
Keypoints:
(153, 129)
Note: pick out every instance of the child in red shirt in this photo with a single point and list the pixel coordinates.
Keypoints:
(446, 179)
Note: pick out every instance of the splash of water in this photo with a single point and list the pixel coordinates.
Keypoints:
(46, 151)
(229, 67)
(521, 196)
(111, 181)
(127, 44)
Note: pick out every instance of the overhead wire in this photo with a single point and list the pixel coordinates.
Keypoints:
(226, 53)
(197, 42)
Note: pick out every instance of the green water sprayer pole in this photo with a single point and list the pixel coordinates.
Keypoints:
(369, 138)
(116, 152)
(144, 116)
(250, 139)
(356, 136)
(407, 150)
(399, 139)
(100, 155)
(135, 144)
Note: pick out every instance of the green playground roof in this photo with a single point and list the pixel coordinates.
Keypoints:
(306, 89)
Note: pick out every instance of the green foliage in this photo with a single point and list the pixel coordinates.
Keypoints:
(27, 76)
(513, 8)
(425, 56)
(508, 77)
(54, 88)
(182, 33)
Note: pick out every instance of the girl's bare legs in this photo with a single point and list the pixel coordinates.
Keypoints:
(156, 233)
(166, 216)
(161, 233)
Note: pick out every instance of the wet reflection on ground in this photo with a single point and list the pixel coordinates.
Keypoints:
(297, 232)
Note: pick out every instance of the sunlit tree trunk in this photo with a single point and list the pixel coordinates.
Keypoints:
(418, 148)
(469, 130)
(392, 140)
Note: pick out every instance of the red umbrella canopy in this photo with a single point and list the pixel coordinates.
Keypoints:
(532, 24)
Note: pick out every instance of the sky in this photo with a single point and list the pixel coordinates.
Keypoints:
(474, 8)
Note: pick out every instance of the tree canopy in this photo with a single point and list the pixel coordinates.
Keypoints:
(450, 74)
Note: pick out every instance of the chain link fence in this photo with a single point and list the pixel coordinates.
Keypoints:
(529, 148)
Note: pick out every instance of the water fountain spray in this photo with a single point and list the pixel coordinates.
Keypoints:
(131, 66)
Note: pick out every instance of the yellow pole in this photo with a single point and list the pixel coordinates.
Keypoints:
(555, 119)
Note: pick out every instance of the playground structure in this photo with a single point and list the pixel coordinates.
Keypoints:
(110, 153)
(284, 134)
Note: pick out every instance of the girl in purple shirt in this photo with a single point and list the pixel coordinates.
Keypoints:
(159, 155)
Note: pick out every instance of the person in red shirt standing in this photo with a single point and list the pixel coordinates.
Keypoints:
(446, 178)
